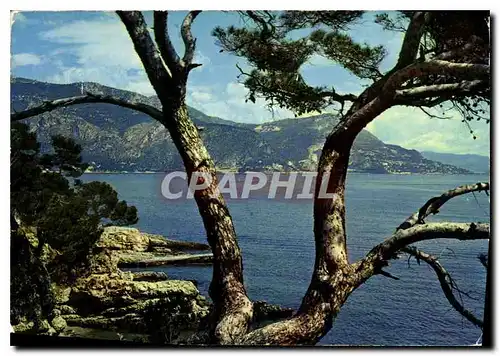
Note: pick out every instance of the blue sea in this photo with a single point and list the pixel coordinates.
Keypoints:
(277, 243)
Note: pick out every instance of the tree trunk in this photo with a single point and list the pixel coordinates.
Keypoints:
(233, 311)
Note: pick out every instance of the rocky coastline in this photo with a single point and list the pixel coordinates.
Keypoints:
(141, 306)
(109, 303)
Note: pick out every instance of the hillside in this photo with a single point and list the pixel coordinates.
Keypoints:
(474, 163)
(120, 139)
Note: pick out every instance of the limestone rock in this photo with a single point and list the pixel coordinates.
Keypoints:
(66, 309)
(58, 323)
(61, 293)
(149, 276)
(123, 238)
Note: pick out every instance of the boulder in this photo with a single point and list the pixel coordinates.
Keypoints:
(123, 238)
(98, 292)
(66, 309)
(24, 327)
(58, 323)
(131, 239)
(104, 261)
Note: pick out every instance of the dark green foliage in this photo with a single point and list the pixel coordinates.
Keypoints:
(276, 54)
(62, 215)
(361, 60)
(277, 44)
(67, 157)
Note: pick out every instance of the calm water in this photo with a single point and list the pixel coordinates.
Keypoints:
(278, 250)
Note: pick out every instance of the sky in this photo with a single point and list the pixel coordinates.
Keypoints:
(67, 47)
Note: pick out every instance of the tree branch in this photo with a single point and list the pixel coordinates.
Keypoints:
(187, 37)
(380, 254)
(433, 205)
(411, 96)
(164, 43)
(432, 116)
(330, 94)
(146, 49)
(411, 41)
(86, 99)
(461, 70)
(446, 282)
(483, 258)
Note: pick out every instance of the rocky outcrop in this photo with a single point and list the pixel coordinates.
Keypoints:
(109, 303)
(133, 260)
(121, 304)
(132, 248)
(128, 303)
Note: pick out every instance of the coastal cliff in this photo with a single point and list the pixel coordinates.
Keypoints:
(114, 304)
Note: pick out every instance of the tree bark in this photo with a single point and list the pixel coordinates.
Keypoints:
(233, 308)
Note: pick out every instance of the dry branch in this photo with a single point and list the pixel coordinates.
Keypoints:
(187, 37)
(47, 106)
(433, 205)
(379, 256)
(447, 283)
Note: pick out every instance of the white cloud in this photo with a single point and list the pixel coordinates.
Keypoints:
(411, 128)
(103, 53)
(229, 103)
(200, 58)
(95, 42)
(25, 59)
(317, 60)
(99, 51)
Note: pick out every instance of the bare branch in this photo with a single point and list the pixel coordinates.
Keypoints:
(164, 43)
(433, 205)
(187, 37)
(432, 116)
(86, 99)
(447, 283)
(380, 254)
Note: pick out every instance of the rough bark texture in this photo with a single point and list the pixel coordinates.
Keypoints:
(233, 307)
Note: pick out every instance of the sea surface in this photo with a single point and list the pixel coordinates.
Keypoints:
(276, 239)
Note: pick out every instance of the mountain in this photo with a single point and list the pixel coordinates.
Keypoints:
(474, 163)
(120, 139)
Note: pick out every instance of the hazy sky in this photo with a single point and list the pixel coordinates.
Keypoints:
(65, 47)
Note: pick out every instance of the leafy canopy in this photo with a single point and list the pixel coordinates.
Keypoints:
(277, 44)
